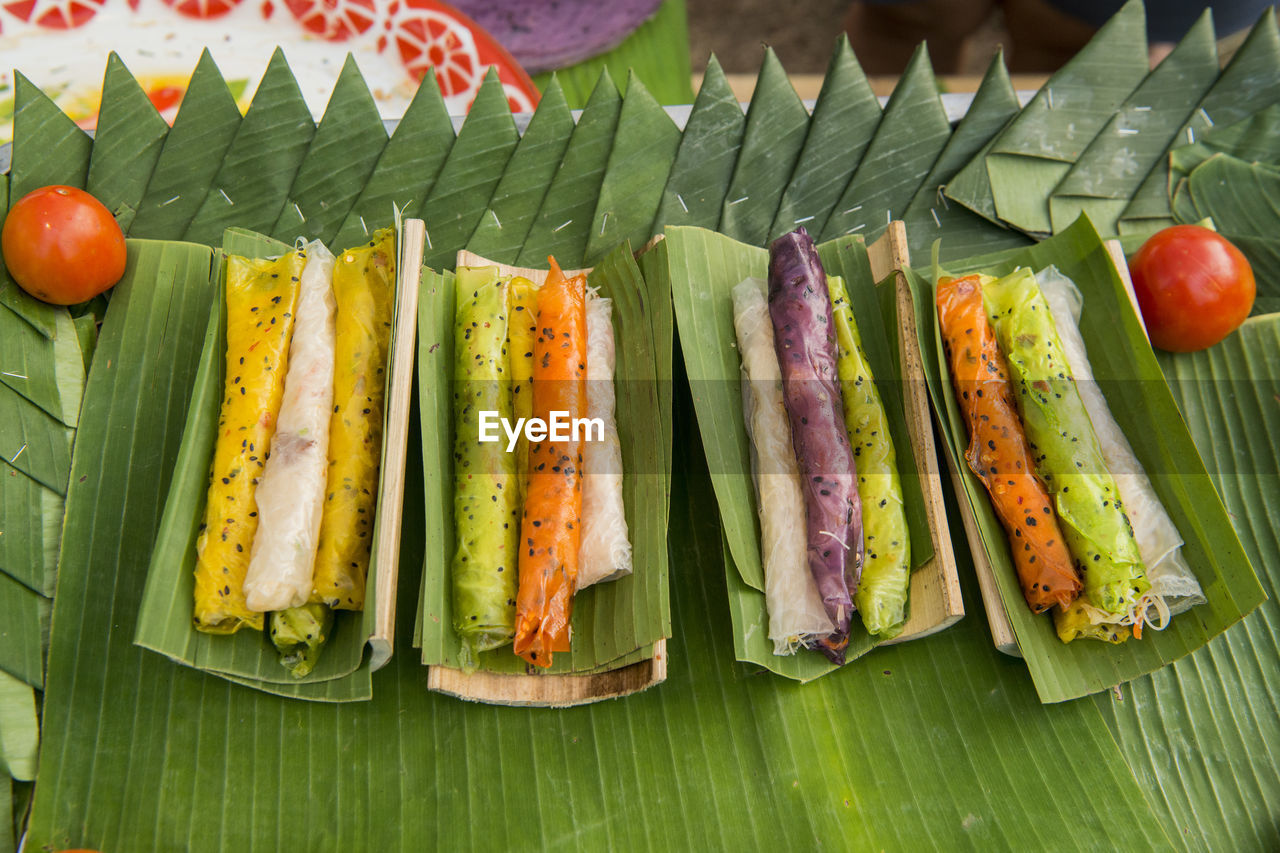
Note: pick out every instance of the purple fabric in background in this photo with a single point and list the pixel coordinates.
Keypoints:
(546, 34)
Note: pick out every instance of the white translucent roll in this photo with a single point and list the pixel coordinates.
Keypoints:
(290, 493)
(1174, 587)
(791, 595)
(604, 552)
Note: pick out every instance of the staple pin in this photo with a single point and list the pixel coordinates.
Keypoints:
(936, 221)
(1048, 94)
(1205, 116)
(603, 222)
(494, 214)
(1126, 131)
(364, 227)
(170, 201)
(804, 219)
(562, 225)
(227, 197)
(682, 204)
(298, 211)
(16, 455)
(858, 227)
(738, 201)
(14, 375)
(851, 210)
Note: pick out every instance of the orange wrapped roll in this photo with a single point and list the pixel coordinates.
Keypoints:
(550, 529)
(998, 452)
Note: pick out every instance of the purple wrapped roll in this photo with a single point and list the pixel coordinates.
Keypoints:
(805, 338)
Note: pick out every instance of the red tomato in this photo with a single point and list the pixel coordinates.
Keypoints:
(1194, 287)
(62, 245)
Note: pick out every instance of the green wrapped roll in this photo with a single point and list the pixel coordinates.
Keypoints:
(881, 597)
(1068, 457)
(299, 635)
(486, 498)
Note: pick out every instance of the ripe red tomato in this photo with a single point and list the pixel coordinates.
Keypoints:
(62, 245)
(1193, 286)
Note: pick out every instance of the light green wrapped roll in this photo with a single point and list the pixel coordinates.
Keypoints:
(881, 597)
(486, 500)
(1068, 457)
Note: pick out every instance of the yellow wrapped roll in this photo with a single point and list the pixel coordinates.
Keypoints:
(262, 297)
(364, 284)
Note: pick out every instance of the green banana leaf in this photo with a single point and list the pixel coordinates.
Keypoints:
(31, 518)
(1111, 169)
(164, 617)
(704, 269)
(1242, 199)
(8, 832)
(908, 140)
(1036, 151)
(126, 144)
(203, 130)
(50, 150)
(1170, 727)
(251, 185)
(705, 160)
(658, 51)
(407, 168)
(614, 622)
(930, 215)
(644, 150)
(563, 224)
(33, 362)
(776, 127)
(791, 764)
(1248, 84)
(504, 226)
(470, 173)
(33, 442)
(24, 625)
(845, 118)
(342, 156)
(19, 733)
(1253, 139)
(1130, 377)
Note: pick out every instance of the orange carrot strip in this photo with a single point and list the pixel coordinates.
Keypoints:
(998, 452)
(550, 529)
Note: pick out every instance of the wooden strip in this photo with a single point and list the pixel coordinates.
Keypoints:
(936, 602)
(551, 691)
(395, 441)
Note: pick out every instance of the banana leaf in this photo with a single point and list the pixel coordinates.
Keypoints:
(407, 168)
(33, 442)
(776, 127)
(126, 144)
(1130, 378)
(658, 51)
(257, 170)
(470, 173)
(19, 733)
(164, 617)
(704, 269)
(8, 831)
(644, 150)
(1255, 139)
(342, 156)
(908, 140)
(1249, 83)
(831, 759)
(844, 122)
(563, 224)
(657, 278)
(929, 214)
(48, 149)
(203, 130)
(613, 623)
(1170, 723)
(24, 625)
(1111, 169)
(503, 227)
(31, 521)
(1036, 151)
(33, 365)
(705, 160)
(1243, 200)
